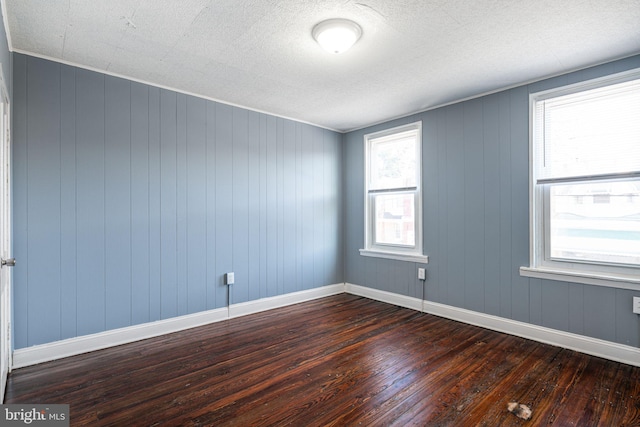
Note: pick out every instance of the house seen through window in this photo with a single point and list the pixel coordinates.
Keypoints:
(586, 178)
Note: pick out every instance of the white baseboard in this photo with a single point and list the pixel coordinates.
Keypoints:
(84, 344)
(87, 343)
(583, 344)
(384, 296)
(256, 306)
(593, 346)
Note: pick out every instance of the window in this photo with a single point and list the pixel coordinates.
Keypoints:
(585, 181)
(393, 219)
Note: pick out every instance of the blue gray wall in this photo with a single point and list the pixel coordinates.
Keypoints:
(476, 220)
(131, 202)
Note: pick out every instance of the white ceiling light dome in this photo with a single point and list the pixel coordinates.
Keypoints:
(336, 35)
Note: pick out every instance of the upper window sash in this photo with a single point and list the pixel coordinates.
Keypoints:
(405, 172)
(588, 131)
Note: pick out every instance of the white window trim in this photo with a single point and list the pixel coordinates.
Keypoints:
(423, 259)
(610, 280)
(617, 277)
(400, 253)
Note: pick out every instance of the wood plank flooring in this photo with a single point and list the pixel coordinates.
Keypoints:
(341, 360)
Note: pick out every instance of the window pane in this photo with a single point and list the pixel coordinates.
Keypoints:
(395, 219)
(596, 222)
(393, 162)
(592, 132)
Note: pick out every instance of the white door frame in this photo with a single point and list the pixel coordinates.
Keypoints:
(6, 277)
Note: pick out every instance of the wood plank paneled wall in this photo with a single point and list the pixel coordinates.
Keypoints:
(131, 202)
(476, 219)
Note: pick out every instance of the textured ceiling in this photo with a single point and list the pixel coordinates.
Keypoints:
(259, 54)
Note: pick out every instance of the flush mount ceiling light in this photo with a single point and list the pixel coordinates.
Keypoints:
(336, 35)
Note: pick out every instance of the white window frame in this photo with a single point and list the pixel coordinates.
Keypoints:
(397, 252)
(541, 264)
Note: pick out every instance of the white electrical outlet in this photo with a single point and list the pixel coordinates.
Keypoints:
(231, 277)
(636, 305)
(422, 274)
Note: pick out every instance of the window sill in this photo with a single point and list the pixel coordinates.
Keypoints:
(422, 259)
(598, 279)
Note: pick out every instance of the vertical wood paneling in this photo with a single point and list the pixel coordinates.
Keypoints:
(90, 161)
(421, 285)
(43, 198)
(140, 206)
(576, 308)
(155, 204)
(327, 201)
(332, 207)
(383, 275)
(442, 262)
(168, 205)
(224, 198)
(491, 196)
(299, 196)
(196, 204)
(504, 155)
(272, 208)
(554, 300)
(181, 205)
(353, 207)
(535, 302)
(145, 174)
(240, 190)
(456, 205)
(600, 312)
(430, 196)
(216, 293)
(307, 206)
(338, 209)
(135, 201)
(263, 223)
(474, 232)
(117, 202)
(253, 208)
(317, 205)
(370, 272)
(627, 328)
(289, 207)
(68, 237)
(404, 274)
(279, 212)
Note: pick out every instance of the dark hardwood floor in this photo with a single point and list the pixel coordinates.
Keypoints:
(341, 360)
